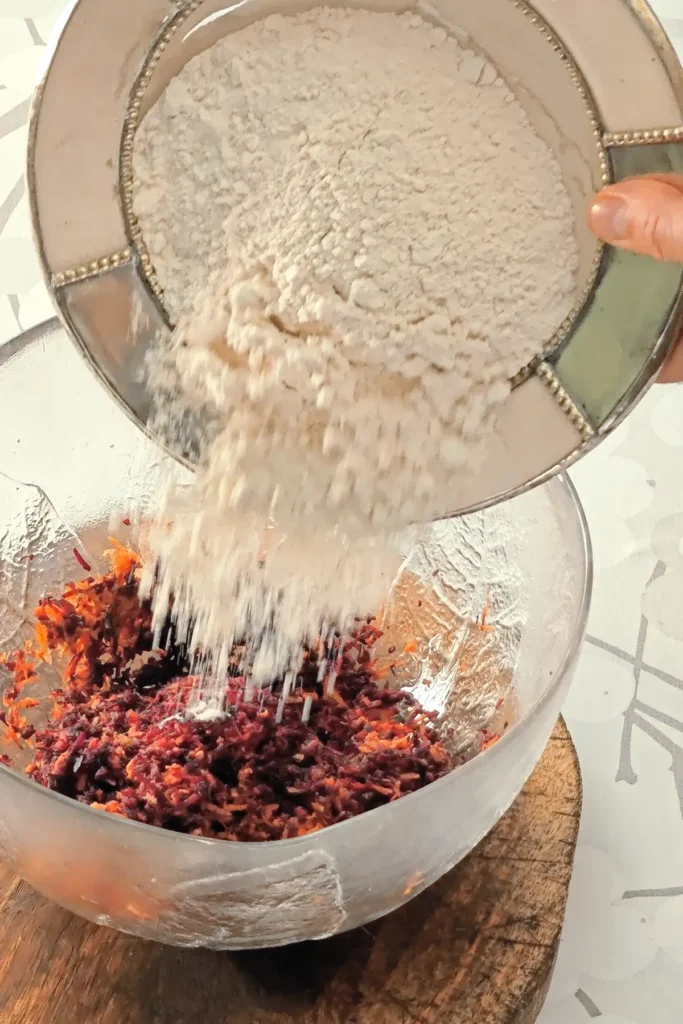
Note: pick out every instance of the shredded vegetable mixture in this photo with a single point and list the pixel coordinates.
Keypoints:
(118, 739)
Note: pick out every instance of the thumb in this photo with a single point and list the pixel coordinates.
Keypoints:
(643, 215)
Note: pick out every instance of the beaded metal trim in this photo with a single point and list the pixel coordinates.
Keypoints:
(130, 128)
(578, 80)
(564, 400)
(644, 138)
(101, 266)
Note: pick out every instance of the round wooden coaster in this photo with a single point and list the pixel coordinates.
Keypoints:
(476, 948)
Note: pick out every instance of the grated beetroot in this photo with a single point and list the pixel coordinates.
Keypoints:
(117, 738)
(81, 560)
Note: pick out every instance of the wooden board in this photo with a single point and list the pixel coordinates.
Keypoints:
(476, 948)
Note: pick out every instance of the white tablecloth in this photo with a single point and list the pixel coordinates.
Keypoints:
(622, 954)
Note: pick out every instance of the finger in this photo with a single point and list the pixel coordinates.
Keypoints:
(643, 215)
(675, 180)
(672, 371)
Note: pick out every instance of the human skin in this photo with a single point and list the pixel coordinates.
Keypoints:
(645, 215)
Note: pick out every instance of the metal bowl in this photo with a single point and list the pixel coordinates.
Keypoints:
(601, 84)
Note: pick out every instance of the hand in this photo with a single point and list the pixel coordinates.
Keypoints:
(645, 215)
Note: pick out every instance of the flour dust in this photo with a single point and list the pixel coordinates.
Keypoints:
(361, 239)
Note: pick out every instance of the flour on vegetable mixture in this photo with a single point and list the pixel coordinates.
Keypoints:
(361, 240)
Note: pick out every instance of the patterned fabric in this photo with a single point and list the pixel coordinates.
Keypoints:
(621, 959)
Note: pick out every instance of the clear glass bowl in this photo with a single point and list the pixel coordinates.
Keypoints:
(527, 561)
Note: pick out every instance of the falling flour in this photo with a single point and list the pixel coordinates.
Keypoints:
(361, 239)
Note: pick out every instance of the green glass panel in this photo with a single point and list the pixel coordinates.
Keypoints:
(612, 340)
(659, 158)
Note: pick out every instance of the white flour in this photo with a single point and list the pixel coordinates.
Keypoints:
(390, 242)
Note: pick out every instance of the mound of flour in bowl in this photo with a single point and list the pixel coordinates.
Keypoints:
(361, 239)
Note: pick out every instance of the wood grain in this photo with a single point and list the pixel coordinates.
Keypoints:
(476, 948)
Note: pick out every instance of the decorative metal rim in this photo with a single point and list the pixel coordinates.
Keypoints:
(130, 128)
(101, 266)
(615, 140)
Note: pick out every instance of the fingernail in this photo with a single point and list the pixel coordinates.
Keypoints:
(609, 218)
